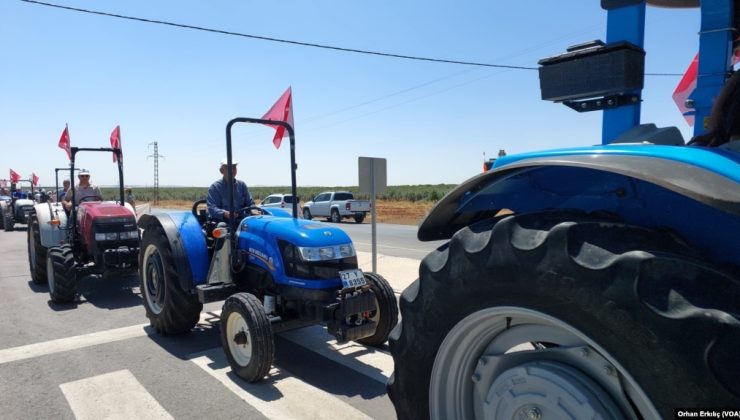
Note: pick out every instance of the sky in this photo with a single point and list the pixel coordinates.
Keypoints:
(179, 87)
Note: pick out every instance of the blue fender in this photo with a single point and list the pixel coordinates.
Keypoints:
(187, 243)
(693, 191)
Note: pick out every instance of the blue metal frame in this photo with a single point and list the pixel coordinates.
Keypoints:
(623, 24)
(715, 53)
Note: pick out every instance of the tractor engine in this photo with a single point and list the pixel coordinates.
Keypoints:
(109, 234)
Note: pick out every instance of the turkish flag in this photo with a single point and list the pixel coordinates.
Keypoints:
(64, 142)
(34, 179)
(687, 85)
(281, 111)
(115, 141)
(14, 177)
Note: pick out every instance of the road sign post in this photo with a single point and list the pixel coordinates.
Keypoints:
(373, 180)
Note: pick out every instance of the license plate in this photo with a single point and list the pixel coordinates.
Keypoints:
(352, 278)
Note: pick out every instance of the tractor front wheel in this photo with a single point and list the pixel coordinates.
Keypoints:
(61, 274)
(36, 253)
(561, 313)
(246, 335)
(170, 309)
(386, 314)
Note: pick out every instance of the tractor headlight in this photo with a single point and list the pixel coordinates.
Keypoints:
(324, 253)
(106, 236)
(133, 234)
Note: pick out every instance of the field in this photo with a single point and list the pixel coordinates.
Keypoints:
(404, 204)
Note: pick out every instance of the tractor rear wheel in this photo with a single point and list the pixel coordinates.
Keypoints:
(61, 274)
(170, 309)
(602, 316)
(246, 335)
(36, 252)
(386, 316)
(8, 221)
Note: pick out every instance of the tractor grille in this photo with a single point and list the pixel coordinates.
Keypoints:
(313, 270)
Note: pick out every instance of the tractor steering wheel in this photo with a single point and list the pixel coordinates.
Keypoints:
(197, 204)
(247, 211)
(91, 198)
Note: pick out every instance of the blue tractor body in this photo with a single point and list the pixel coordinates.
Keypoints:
(690, 190)
(615, 266)
(275, 272)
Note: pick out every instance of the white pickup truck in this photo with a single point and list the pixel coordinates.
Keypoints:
(336, 205)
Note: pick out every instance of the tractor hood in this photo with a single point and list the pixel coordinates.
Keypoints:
(299, 232)
(104, 209)
(24, 202)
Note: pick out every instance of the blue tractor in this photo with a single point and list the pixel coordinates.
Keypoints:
(594, 282)
(275, 271)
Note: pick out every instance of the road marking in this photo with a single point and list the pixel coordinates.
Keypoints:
(70, 343)
(81, 341)
(114, 395)
(280, 395)
(369, 361)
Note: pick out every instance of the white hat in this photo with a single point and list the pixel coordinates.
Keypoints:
(224, 162)
(84, 172)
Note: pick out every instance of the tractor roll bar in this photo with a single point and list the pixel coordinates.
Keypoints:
(56, 180)
(74, 151)
(229, 174)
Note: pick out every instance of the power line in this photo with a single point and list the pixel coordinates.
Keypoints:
(300, 43)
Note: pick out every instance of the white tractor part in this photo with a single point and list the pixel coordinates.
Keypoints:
(52, 223)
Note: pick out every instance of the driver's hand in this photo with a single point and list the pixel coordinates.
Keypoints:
(227, 215)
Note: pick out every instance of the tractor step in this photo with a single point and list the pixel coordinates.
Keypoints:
(215, 292)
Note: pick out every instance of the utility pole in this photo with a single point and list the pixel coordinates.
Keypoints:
(156, 157)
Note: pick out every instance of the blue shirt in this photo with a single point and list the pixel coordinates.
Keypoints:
(218, 198)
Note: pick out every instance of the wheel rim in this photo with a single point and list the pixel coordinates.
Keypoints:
(50, 273)
(492, 364)
(335, 217)
(154, 279)
(239, 338)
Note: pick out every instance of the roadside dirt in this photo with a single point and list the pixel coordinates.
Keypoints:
(398, 212)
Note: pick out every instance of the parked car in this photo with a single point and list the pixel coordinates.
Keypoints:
(284, 201)
(336, 205)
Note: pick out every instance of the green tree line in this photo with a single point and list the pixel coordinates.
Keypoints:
(397, 192)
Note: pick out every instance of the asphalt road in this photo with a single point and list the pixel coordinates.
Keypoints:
(99, 358)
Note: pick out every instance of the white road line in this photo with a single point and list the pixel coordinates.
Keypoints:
(115, 395)
(280, 396)
(371, 362)
(81, 341)
(70, 343)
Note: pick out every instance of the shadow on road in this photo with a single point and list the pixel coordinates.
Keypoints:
(106, 292)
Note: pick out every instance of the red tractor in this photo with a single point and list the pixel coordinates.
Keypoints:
(100, 237)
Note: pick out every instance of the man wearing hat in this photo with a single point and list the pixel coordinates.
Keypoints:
(82, 190)
(218, 195)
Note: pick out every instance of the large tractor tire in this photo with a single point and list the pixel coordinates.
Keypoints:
(170, 309)
(8, 221)
(246, 335)
(600, 316)
(386, 317)
(61, 274)
(36, 253)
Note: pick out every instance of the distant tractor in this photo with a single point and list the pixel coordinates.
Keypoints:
(99, 237)
(592, 282)
(18, 209)
(275, 271)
